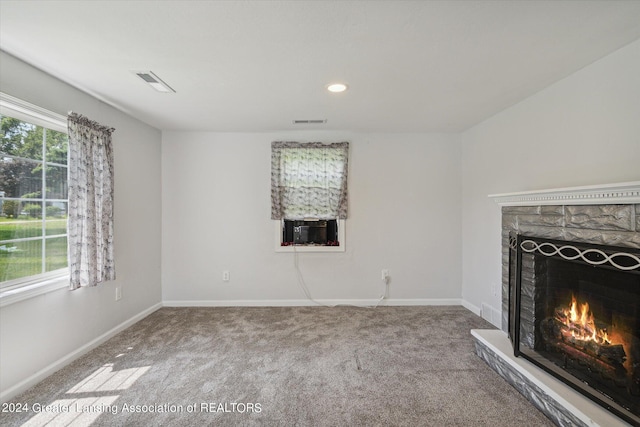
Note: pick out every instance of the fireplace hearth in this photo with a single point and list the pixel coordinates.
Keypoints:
(575, 312)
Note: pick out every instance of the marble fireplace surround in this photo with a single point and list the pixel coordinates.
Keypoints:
(605, 214)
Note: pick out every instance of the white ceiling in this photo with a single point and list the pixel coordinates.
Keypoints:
(412, 66)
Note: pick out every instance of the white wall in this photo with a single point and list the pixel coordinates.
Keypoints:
(404, 215)
(216, 207)
(583, 130)
(38, 332)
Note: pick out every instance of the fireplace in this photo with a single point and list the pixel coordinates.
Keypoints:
(574, 311)
(570, 302)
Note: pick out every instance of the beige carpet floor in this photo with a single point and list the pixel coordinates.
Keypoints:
(284, 366)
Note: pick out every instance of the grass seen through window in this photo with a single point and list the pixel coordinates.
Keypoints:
(24, 258)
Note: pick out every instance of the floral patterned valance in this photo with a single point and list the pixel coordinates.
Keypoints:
(309, 180)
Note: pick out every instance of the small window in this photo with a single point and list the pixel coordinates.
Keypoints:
(33, 199)
(309, 195)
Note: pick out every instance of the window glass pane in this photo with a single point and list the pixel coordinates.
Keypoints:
(20, 178)
(56, 224)
(56, 182)
(30, 211)
(57, 147)
(33, 199)
(20, 259)
(56, 253)
(20, 228)
(9, 209)
(20, 138)
(56, 218)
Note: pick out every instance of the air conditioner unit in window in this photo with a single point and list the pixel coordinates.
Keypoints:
(310, 232)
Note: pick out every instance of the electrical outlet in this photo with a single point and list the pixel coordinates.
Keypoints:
(226, 276)
(118, 293)
(385, 275)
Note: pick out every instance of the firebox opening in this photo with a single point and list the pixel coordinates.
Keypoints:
(579, 318)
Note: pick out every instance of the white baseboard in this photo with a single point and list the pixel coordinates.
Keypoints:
(472, 308)
(24, 385)
(306, 302)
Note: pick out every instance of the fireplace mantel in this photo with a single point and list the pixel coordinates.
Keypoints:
(606, 194)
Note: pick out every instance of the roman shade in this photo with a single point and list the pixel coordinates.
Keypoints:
(309, 180)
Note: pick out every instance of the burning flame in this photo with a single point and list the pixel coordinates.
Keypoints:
(581, 323)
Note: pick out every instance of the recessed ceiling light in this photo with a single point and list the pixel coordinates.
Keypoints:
(154, 81)
(337, 87)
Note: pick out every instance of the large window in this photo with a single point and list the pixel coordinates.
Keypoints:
(33, 196)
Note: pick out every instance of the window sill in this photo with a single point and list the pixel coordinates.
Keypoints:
(11, 296)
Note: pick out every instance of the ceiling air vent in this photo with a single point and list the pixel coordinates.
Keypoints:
(154, 81)
(310, 122)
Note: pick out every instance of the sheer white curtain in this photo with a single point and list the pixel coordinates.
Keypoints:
(90, 202)
(309, 180)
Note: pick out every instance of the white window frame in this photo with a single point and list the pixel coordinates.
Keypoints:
(279, 228)
(26, 287)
